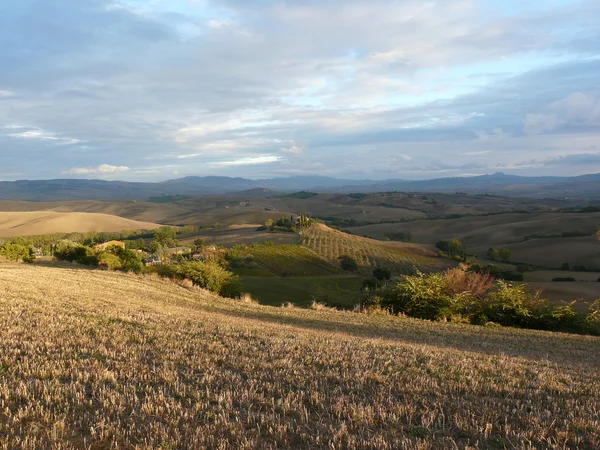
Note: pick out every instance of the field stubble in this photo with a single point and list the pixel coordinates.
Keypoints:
(91, 359)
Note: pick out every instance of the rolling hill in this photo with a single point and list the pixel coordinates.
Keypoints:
(94, 359)
(28, 223)
(585, 186)
(369, 253)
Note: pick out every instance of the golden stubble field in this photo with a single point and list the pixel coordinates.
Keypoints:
(92, 359)
(29, 223)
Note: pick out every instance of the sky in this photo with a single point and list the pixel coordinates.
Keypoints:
(149, 90)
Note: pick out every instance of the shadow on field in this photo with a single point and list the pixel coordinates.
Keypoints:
(557, 348)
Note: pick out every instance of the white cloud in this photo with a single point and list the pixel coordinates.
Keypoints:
(539, 123)
(247, 161)
(292, 150)
(103, 169)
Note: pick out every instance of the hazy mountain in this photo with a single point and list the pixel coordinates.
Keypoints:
(586, 186)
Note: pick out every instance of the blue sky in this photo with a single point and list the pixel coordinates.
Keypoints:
(159, 89)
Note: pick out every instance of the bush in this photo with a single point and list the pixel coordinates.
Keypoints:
(370, 284)
(563, 279)
(461, 295)
(17, 252)
(511, 276)
(565, 266)
(109, 261)
(209, 275)
(67, 250)
(348, 263)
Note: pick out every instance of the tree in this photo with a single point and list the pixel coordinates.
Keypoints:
(348, 263)
(504, 254)
(110, 261)
(130, 261)
(17, 252)
(493, 253)
(456, 249)
(199, 244)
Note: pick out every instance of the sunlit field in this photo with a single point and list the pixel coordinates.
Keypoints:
(93, 359)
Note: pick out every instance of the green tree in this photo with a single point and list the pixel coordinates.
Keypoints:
(493, 253)
(17, 252)
(348, 263)
(110, 261)
(504, 254)
(199, 244)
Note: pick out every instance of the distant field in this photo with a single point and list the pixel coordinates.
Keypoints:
(486, 231)
(47, 222)
(369, 253)
(584, 289)
(240, 234)
(94, 359)
(337, 291)
(554, 252)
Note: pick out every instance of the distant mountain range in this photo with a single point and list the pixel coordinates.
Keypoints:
(584, 187)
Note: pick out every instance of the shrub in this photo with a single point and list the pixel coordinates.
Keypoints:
(210, 275)
(370, 284)
(348, 263)
(565, 266)
(109, 261)
(563, 279)
(17, 252)
(67, 250)
(461, 295)
(511, 276)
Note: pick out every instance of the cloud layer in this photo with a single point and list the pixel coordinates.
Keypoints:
(386, 89)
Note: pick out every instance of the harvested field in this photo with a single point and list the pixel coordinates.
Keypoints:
(29, 223)
(93, 359)
(111, 360)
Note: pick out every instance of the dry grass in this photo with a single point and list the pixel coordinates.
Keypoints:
(29, 223)
(92, 359)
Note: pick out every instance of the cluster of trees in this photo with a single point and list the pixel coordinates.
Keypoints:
(288, 224)
(453, 249)
(402, 236)
(465, 296)
(496, 254)
(17, 252)
(112, 258)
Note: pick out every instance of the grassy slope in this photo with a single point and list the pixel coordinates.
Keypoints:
(115, 360)
(340, 291)
(48, 222)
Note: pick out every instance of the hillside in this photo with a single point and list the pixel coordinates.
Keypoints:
(585, 186)
(109, 360)
(369, 253)
(28, 223)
